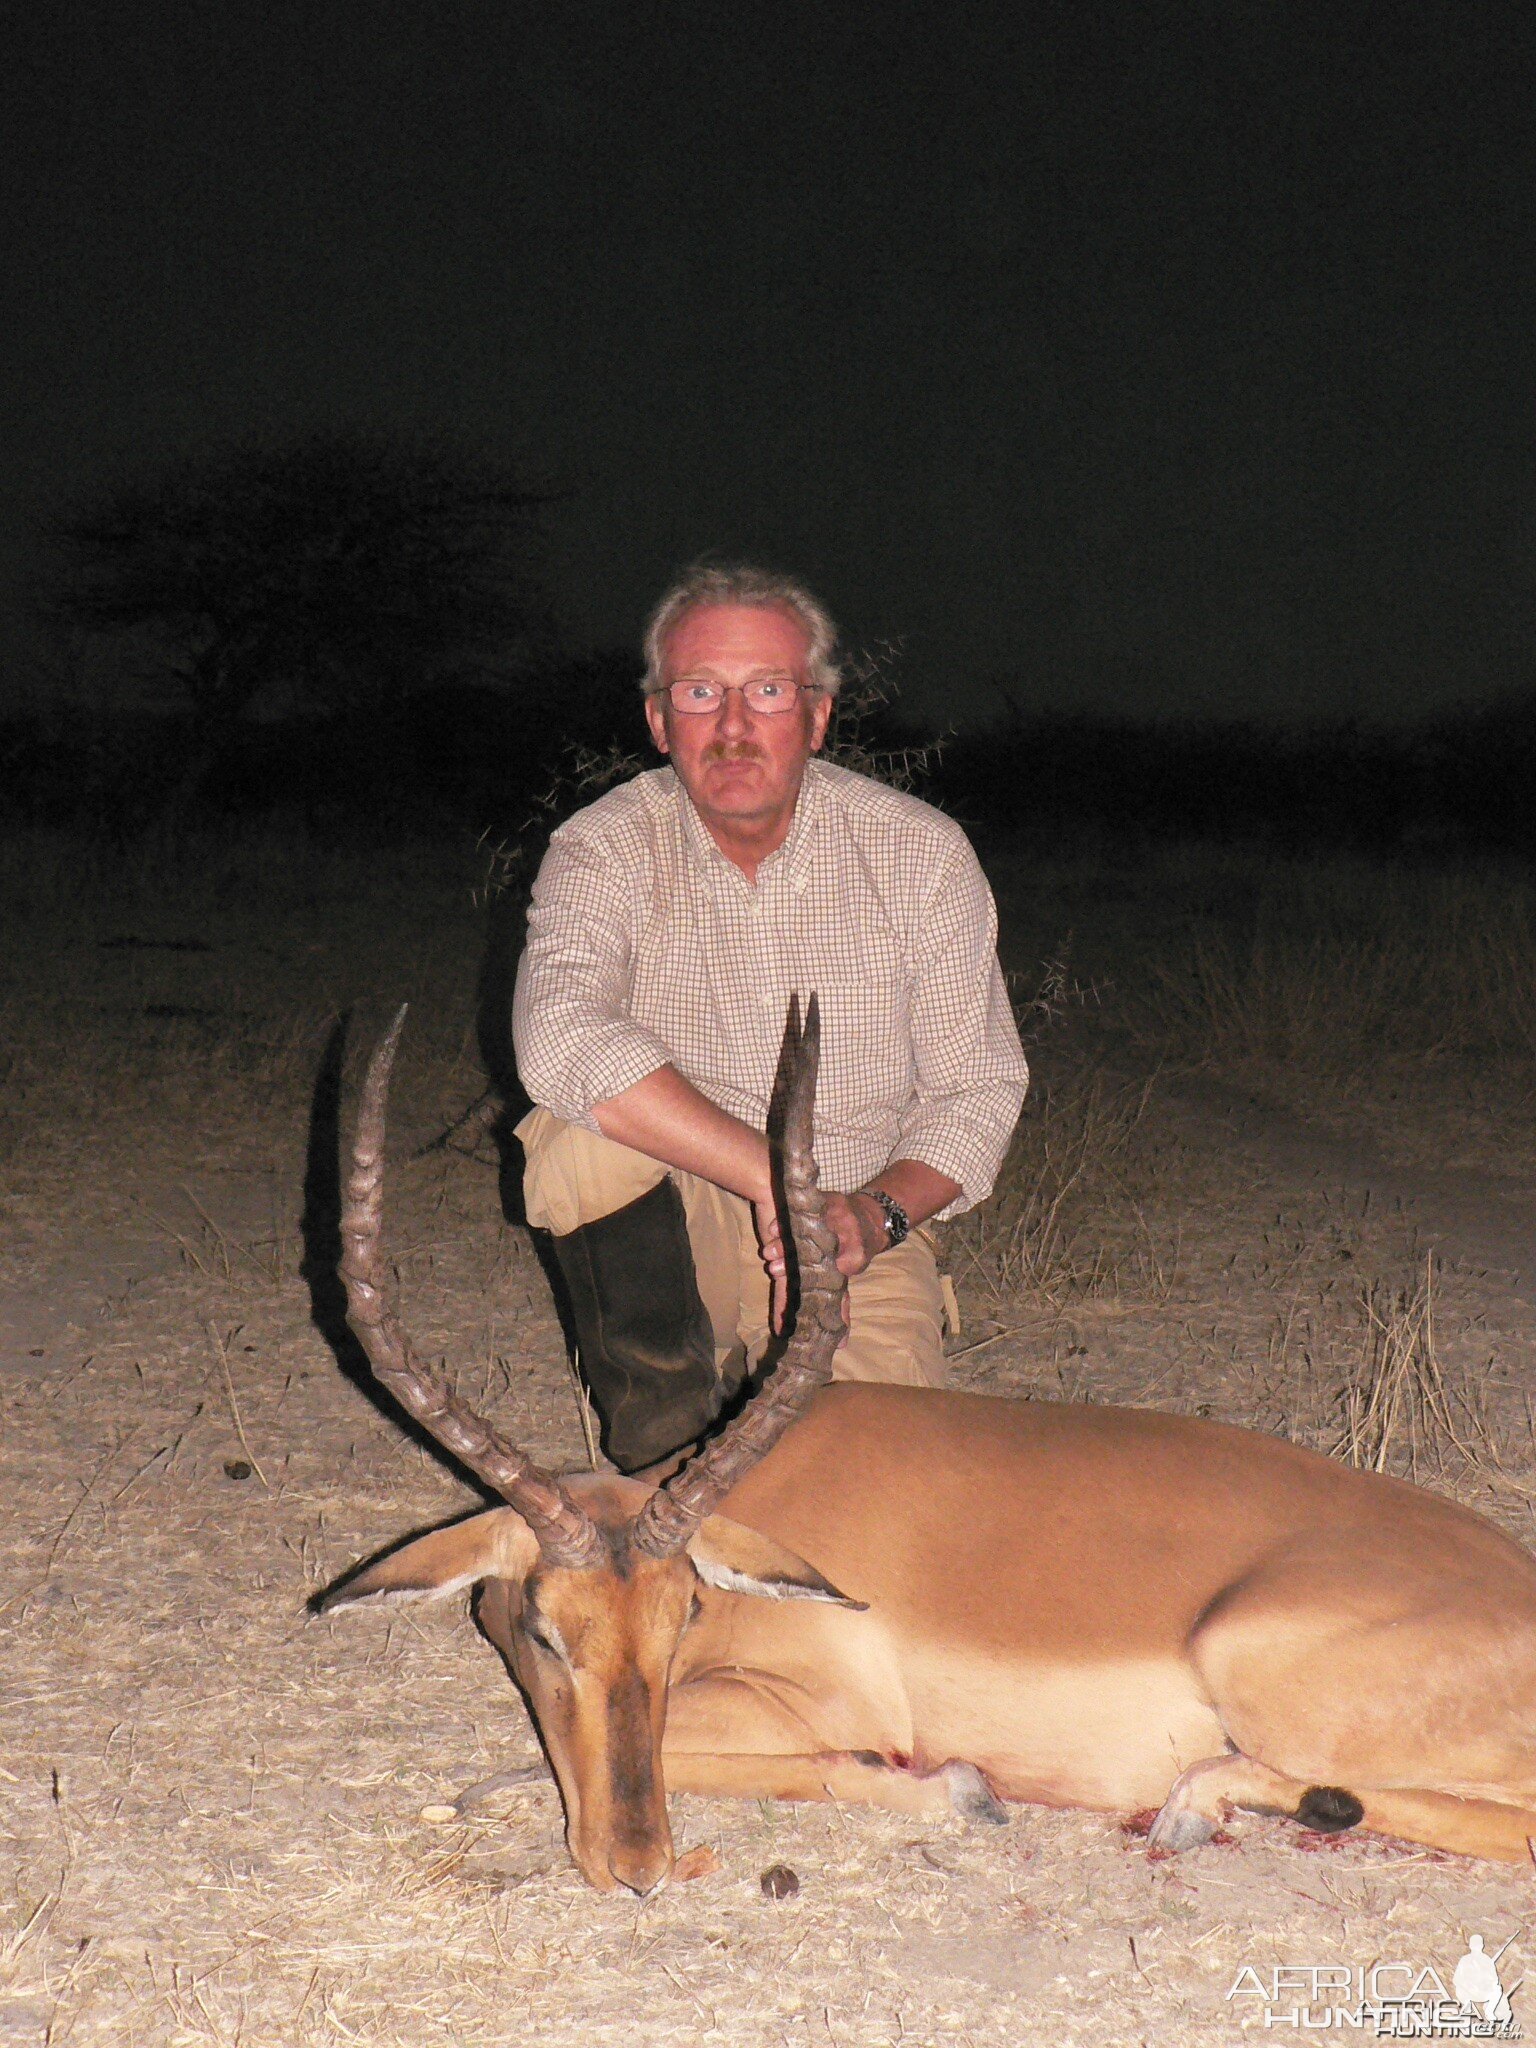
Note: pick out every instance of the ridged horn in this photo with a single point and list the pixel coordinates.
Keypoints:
(672, 1514)
(565, 1534)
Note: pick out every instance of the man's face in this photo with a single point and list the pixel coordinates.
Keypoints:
(742, 768)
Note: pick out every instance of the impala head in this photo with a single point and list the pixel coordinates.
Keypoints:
(589, 1583)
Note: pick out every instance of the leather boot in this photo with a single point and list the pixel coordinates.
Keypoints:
(646, 1345)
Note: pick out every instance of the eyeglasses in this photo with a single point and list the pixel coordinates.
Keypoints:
(698, 696)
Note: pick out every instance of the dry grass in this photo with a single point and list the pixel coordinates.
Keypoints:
(1398, 1410)
(1067, 1217)
(1407, 1411)
(1326, 969)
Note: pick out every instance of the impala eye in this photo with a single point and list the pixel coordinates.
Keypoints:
(543, 1638)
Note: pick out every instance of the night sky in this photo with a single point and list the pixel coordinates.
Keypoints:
(1166, 359)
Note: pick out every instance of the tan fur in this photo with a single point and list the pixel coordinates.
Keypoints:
(1094, 1607)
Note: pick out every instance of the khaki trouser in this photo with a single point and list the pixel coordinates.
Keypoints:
(895, 1306)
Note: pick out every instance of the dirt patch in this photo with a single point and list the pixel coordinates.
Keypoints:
(1475, 1218)
(214, 1806)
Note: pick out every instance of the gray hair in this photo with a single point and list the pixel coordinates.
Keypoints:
(709, 583)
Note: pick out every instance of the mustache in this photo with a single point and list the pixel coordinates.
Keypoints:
(733, 750)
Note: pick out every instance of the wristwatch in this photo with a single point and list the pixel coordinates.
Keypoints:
(897, 1221)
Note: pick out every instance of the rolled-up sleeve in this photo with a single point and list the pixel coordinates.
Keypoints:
(970, 1070)
(576, 1042)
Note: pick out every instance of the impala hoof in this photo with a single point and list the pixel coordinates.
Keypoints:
(972, 1797)
(1178, 1828)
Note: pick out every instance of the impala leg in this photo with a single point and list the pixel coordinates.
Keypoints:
(1206, 1794)
(1356, 1691)
(727, 1739)
(851, 1777)
(1208, 1791)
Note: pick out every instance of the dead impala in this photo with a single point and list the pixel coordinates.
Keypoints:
(931, 1602)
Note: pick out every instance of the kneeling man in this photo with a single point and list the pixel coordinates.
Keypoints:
(670, 922)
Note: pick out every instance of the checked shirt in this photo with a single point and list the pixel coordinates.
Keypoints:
(647, 947)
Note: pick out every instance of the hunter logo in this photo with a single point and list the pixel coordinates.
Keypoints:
(1394, 2001)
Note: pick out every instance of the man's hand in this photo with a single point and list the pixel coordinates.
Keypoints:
(668, 1119)
(858, 1222)
(771, 1241)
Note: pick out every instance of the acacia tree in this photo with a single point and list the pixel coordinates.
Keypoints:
(335, 572)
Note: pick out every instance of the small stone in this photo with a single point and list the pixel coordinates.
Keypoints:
(236, 1468)
(779, 1882)
(439, 1816)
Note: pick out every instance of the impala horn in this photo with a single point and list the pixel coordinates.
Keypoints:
(672, 1514)
(566, 1536)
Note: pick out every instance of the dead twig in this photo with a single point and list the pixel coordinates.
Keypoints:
(222, 1349)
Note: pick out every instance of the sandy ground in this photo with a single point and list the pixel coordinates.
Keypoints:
(213, 1806)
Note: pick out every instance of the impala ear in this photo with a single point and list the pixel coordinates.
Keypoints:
(737, 1559)
(495, 1545)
